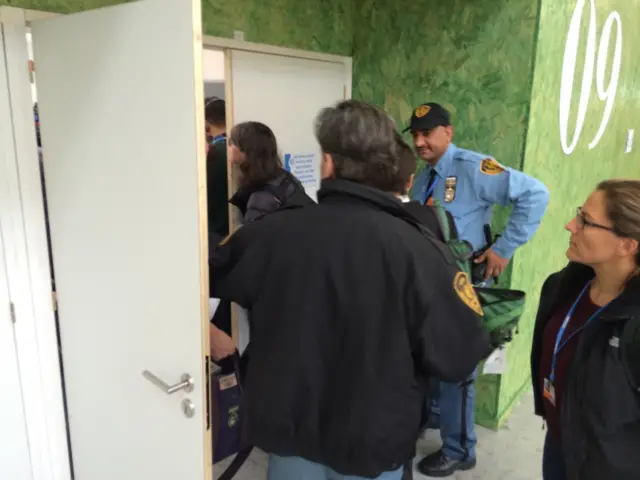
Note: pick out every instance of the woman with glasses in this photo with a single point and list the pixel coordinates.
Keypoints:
(586, 346)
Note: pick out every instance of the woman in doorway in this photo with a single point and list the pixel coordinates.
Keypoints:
(586, 347)
(264, 186)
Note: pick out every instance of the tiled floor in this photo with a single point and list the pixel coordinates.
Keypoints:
(513, 453)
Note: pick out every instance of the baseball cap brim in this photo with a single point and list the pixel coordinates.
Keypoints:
(425, 124)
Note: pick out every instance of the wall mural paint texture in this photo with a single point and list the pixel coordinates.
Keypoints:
(571, 177)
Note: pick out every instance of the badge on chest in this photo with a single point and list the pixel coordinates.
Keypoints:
(450, 189)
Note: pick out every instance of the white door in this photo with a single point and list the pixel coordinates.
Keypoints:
(121, 111)
(14, 446)
(286, 93)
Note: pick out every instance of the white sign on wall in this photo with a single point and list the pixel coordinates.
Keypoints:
(595, 62)
(305, 167)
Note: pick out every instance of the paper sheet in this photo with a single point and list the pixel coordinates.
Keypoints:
(496, 364)
(213, 306)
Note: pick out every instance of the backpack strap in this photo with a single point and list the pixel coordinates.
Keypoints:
(239, 460)
(441, 215)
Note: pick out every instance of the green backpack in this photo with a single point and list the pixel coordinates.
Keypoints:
(502, 308)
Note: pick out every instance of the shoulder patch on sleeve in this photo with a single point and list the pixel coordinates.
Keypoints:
(464, 289)
(489, 166)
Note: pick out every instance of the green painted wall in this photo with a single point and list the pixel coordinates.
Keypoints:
(473, 57)
(571, 177)
(318, 25)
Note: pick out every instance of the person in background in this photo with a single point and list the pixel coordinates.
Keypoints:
(264, 186)
(585, 360)
(353, 308)
(221, 343)
(217, 179)
(468, 184)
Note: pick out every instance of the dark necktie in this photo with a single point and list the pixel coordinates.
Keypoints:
(432, 179)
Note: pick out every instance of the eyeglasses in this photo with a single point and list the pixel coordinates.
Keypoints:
(583, 222)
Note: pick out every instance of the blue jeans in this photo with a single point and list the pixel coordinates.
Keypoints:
(452, 410)
(552, 461)
(297, 468)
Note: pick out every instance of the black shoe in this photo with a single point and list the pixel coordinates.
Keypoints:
(439, 465)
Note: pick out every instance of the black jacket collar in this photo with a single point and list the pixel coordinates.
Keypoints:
(338, 191)
(573, 278)
(335, 190)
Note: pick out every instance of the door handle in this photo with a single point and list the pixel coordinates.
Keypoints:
(186, 383)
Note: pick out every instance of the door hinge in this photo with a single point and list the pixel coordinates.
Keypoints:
(12, 312)
(54, 301)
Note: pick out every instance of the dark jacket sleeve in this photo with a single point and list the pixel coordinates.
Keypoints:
(447, 336)
(236, 267)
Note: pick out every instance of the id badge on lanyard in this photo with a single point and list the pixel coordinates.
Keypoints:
(549, 392)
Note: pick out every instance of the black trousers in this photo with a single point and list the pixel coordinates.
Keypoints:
(552, 460)
(407, 471)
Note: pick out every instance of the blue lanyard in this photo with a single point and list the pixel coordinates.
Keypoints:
(219, 139)
(559, 344)
(430, 191)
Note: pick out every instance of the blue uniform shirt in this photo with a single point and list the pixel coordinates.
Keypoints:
(469, 184)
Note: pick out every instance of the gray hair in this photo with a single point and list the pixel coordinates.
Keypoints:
(363, 143)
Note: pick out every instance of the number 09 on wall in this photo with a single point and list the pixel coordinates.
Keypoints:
(595, 61)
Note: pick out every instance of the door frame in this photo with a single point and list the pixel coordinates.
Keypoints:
(226, 44)
(48, 437)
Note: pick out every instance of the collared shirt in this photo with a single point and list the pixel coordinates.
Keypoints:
(478, 183)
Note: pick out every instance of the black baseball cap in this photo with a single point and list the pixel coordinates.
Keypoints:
(427, 117)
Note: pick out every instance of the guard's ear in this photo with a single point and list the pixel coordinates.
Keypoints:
(449, 131)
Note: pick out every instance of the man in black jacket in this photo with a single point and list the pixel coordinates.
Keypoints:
(354, 306)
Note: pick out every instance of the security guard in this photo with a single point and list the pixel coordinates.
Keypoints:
(469, 184)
